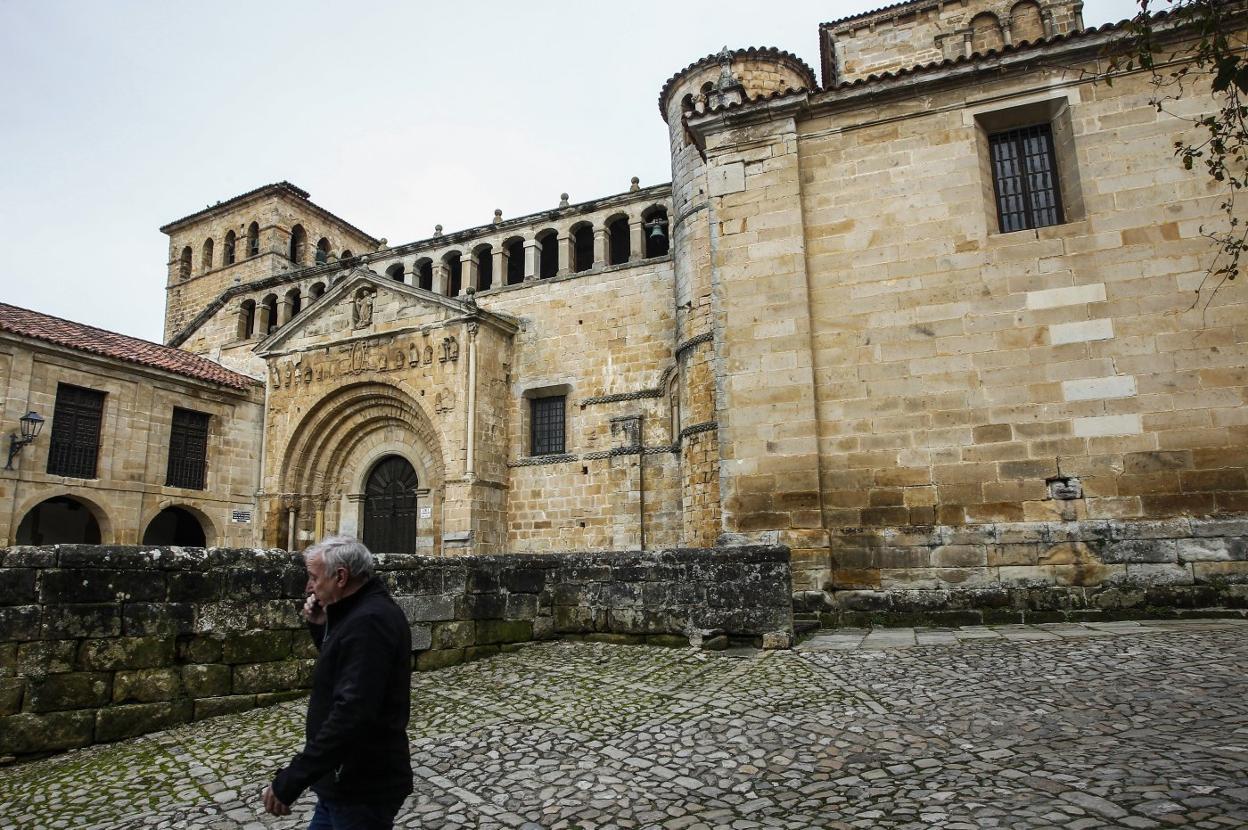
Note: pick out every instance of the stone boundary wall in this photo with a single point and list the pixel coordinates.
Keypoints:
(99, 643)
(1032, 572)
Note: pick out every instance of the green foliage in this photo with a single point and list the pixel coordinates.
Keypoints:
(1196, 48)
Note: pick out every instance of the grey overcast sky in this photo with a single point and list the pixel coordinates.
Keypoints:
(117, 117)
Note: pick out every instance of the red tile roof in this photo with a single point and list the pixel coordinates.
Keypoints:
(51, 329)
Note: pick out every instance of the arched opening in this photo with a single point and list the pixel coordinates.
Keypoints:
(485, 267)
(175, 526)
(395, 272)
(205, 258)
(424, 274)
(317, 289)
(686, 103)
(617, 240)
(270, 313)
(514, 249)
(294, 298)
(253, 239)
(184, 264)
(346, 254)
(322, 251)
(582, 247)
(655, 219)
(390, 506)
(549, 262)
(246, 319)
(1026, 22)
(986, 33)
(227, 255)
(59, 521)
(455, 272)
(298, 242)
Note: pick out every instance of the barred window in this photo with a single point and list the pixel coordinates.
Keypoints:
(188, 449)
(1024, 176)
(546, 425)
(75, 442)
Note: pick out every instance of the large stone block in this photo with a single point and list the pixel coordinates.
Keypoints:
(206, 680)
(90, 585)
(439, 659)
(427, 608)
(11, 691)
(47, 657)
(211, 707)
(19, 622)
(90, 620)
(117, 722)
(453, 634)
(27, 733)
(17, 586)
(503, 631)
(277, 676)
(256, 647)
(201, 648)
(157, 618)
(126, 653)
(76, 690)
(147, 685)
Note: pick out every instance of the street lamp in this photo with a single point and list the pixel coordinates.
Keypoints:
(32, 424)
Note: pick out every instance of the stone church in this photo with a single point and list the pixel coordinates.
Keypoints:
(926, 318)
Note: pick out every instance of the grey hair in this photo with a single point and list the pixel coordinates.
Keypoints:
(344, 552)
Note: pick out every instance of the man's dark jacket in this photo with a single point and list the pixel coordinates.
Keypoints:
(356, 747)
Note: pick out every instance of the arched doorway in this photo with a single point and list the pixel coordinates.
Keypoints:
(59, 521)
(390, 507)
(175, 526)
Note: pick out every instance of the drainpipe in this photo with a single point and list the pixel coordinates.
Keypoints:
(469, 464)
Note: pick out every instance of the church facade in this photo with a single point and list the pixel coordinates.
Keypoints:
(945, 291)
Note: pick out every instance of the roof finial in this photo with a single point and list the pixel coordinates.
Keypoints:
(563, 200)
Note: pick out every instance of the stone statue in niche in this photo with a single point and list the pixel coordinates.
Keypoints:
(359, 357)
(362, 313)
(444, 401)
(450, 349)
(428, 355)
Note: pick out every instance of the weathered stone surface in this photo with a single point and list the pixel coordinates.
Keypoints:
(93, 585)
(503, 631)
(276, 676)
(17, 586)
(48, 657)
(439, 659)
(427, 608)
(157, 619)
(76, 690)
(147, 685)
(211, 707)
(27, 733)
(456, 634)
(117, 722)
(11, 691)
(206, 680)
(126, 653)
(201, 648)
(256, 646)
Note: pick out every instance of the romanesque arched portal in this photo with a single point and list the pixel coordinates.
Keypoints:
(338, 449)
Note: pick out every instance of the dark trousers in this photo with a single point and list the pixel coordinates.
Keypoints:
(353, 815)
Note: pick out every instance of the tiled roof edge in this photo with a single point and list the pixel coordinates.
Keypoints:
(197, 368)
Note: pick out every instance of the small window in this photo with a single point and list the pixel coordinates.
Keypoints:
(227, 256)
(184, 263)
(253, 239)
(546, 431)
(206, 259)
(75, 443)
(1024, 176)
(188, 449)
(322, 251)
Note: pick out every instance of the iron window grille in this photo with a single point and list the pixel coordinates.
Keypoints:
(546, 431)
(75, 442)
(188, 449)
(1024, 176)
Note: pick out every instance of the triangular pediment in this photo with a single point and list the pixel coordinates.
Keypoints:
(363, 304)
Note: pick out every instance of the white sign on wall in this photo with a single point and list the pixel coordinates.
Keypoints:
(426, 512)
(240, 517)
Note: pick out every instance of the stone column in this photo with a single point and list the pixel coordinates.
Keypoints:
(262, 320)
(441, 276)
(565, 256)
(636, 240)
(600, 247)
(532, 259)
(468, 273)
(500, 266)
(424, 521)
(284, 306)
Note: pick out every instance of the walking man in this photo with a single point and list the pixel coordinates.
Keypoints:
(355, 756)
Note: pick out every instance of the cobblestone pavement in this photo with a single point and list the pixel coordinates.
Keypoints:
(1068, 726)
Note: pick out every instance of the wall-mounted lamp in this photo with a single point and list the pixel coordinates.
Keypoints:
(32, 424)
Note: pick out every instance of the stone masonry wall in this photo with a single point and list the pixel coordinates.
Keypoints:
(1031, 572)
(100, 643)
